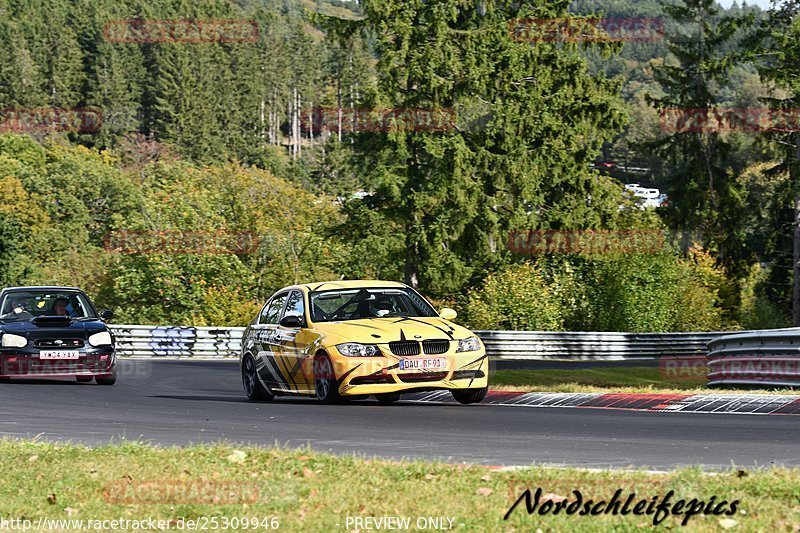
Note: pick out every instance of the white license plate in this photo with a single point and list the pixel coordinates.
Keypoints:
(59, 354)
(434, 363)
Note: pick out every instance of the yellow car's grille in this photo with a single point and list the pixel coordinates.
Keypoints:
(435, 347)
(404, 347)
(429, 347)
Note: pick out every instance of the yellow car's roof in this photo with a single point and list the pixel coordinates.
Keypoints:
(349, 284)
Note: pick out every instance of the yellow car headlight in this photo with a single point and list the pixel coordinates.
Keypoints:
(354, 349)
(470, 344)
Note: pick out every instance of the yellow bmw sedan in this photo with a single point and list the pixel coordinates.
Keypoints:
(352, 339)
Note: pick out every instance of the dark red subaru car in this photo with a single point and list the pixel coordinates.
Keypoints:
(54, 332)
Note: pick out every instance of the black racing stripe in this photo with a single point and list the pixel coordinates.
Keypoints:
(295, 367)
(344, 376)
(365, 326)
(298, 366)
(271, 366)
(448, 326)
(485, 356)
(262, 365)
(448, 333)
(380, 372)
(288, 369)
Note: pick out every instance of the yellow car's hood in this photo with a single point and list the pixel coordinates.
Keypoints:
(382, 330)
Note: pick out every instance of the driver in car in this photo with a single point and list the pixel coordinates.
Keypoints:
(60, 307)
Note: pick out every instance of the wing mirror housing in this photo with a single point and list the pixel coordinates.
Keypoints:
(107, 314)
(291, 321)
(448, 313)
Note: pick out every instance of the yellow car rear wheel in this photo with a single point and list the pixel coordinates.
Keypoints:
(252, 385)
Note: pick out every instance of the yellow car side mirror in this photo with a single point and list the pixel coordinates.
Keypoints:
(447, 313)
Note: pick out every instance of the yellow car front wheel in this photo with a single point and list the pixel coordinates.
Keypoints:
(387, 397)
(325, 384)
(466, 396)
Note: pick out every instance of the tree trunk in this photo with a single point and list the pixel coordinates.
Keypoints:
(411, 270)
(796, 255)
(796, 265)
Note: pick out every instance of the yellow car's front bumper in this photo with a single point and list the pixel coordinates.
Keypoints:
(377, 375)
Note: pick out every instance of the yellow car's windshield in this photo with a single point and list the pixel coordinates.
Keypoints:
(355, 304)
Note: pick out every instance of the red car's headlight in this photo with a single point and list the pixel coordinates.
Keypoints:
(14, 341)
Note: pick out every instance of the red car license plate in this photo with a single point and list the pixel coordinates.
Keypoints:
(59, 354)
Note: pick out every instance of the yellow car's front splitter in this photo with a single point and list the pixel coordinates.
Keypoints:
(390, 373)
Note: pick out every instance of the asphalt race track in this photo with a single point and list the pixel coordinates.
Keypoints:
(182, 402)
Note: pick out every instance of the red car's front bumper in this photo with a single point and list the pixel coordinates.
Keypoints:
(96, 362)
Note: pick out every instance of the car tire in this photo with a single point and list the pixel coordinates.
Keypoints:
(325, 385)
(466, 396)
(253, 388)
(84, 379)
(106, 379)
(388, 397)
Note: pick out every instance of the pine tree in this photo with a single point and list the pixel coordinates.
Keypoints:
(702, 187)
(455, 194)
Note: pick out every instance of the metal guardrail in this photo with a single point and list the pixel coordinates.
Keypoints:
(177, 341)
(165, 341)
(589, 346)
(755, 358)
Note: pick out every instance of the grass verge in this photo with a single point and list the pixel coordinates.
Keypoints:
(309, 491)
(609, 379)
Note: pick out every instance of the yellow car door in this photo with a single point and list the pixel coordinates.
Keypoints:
(268, 356)
(296, 340)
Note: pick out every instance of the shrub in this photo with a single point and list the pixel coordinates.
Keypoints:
(518, 298)
(630, 292)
